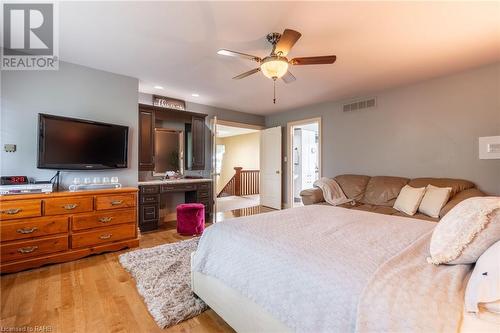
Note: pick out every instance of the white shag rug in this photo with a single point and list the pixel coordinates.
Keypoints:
(163, 278)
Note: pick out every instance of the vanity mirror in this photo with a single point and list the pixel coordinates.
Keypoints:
(169, 150)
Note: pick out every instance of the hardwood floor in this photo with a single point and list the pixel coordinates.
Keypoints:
(94, 294)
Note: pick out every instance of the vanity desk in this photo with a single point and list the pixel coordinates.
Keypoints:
(151, 194)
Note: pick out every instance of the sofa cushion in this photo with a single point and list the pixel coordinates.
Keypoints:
(354, 186)
(383, 190)
(457, 185)
(376, 209)
(419, 216)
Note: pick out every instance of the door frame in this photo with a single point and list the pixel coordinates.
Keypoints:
(289, 159)
(238, 124)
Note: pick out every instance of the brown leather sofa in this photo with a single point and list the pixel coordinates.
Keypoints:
(378, 194)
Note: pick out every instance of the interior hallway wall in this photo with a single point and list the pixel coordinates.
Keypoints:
(240, 151)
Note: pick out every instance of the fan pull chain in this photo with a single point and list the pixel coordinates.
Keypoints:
(274, 91)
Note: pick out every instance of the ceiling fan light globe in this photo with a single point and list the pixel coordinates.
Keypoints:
(274, 68)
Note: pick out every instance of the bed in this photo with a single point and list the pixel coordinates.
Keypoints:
(327, 269)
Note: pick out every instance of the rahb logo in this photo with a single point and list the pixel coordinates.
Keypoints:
(30, 39)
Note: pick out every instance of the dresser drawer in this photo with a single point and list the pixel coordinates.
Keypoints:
(70, 205)
(149, 212)
(114, 201)
(203, 186)
(103, 235)
(10, 210)
(29, 228)
(203, 194)
(149, 198)
(33, 248)
(178, 187)
(103, 218)
(152, 189)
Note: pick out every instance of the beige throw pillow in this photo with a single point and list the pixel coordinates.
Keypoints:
(409, 199)
(468, 230)
(434, 199)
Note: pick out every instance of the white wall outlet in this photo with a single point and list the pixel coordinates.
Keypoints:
(489, 147)
(9, 148)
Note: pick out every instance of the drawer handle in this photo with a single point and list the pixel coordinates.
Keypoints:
(105, 219)
(26, 230)
(105, 236)
(116, 202)
(70, 206)
(12, 211)
(27, 249)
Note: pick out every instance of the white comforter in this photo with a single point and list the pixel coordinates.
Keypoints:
(329, 269)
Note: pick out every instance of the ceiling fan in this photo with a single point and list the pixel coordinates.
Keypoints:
(275, 65)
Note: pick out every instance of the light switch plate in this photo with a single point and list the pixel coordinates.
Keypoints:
(9, 148)
(489, 147)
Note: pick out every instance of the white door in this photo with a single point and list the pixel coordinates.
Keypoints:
(270, 167)
(214, 166)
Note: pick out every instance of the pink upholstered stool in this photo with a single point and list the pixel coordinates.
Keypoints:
(190, 219)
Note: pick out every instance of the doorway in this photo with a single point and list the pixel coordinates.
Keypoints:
(304, 155)
(237, 169)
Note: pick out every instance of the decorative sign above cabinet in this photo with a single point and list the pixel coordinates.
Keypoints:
(167, 102)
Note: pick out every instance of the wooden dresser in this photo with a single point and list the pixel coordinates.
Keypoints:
(38, 229)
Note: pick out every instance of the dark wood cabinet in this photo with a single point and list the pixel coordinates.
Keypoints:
(150, 197)
(198, 135)
(195, 130)
(146, 140)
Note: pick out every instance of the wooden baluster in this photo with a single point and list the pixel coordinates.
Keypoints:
(237, 181)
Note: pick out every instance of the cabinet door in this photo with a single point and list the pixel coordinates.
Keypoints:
(198, 134)
(146, 140)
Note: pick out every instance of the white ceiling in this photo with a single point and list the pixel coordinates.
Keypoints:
(224, 131)
(378, 45)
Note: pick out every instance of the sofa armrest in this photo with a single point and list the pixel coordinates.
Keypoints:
(459, 197)
(312, 196)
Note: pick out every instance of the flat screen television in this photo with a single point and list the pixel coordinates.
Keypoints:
(77, 144)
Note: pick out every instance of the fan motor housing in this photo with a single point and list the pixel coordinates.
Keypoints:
(273, 38)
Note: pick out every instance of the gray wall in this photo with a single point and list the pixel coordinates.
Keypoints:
(425, 129)
(73, 91)
(222, 114)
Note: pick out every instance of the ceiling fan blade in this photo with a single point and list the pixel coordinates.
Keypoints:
(314, 60)
(288, 77)
(230, 53)
(250, 72)
(287, 41)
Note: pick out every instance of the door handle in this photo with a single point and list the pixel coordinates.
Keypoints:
(105, 219)
(70, 206)
(105, 236)
(277, 172)
(116, 202)
(27, 249)
(26, 230)
(12, 211)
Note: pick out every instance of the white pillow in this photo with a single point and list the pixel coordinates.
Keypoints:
(483, 287)
(409, 199)
(434, 199)
(466, 231)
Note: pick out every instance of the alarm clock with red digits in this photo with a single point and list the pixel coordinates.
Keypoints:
(14, 180)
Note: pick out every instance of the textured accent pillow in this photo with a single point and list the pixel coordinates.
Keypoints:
(434, 199)
(466, 231)
(409, 199)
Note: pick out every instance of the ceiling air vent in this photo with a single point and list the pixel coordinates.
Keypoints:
(359, 105)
